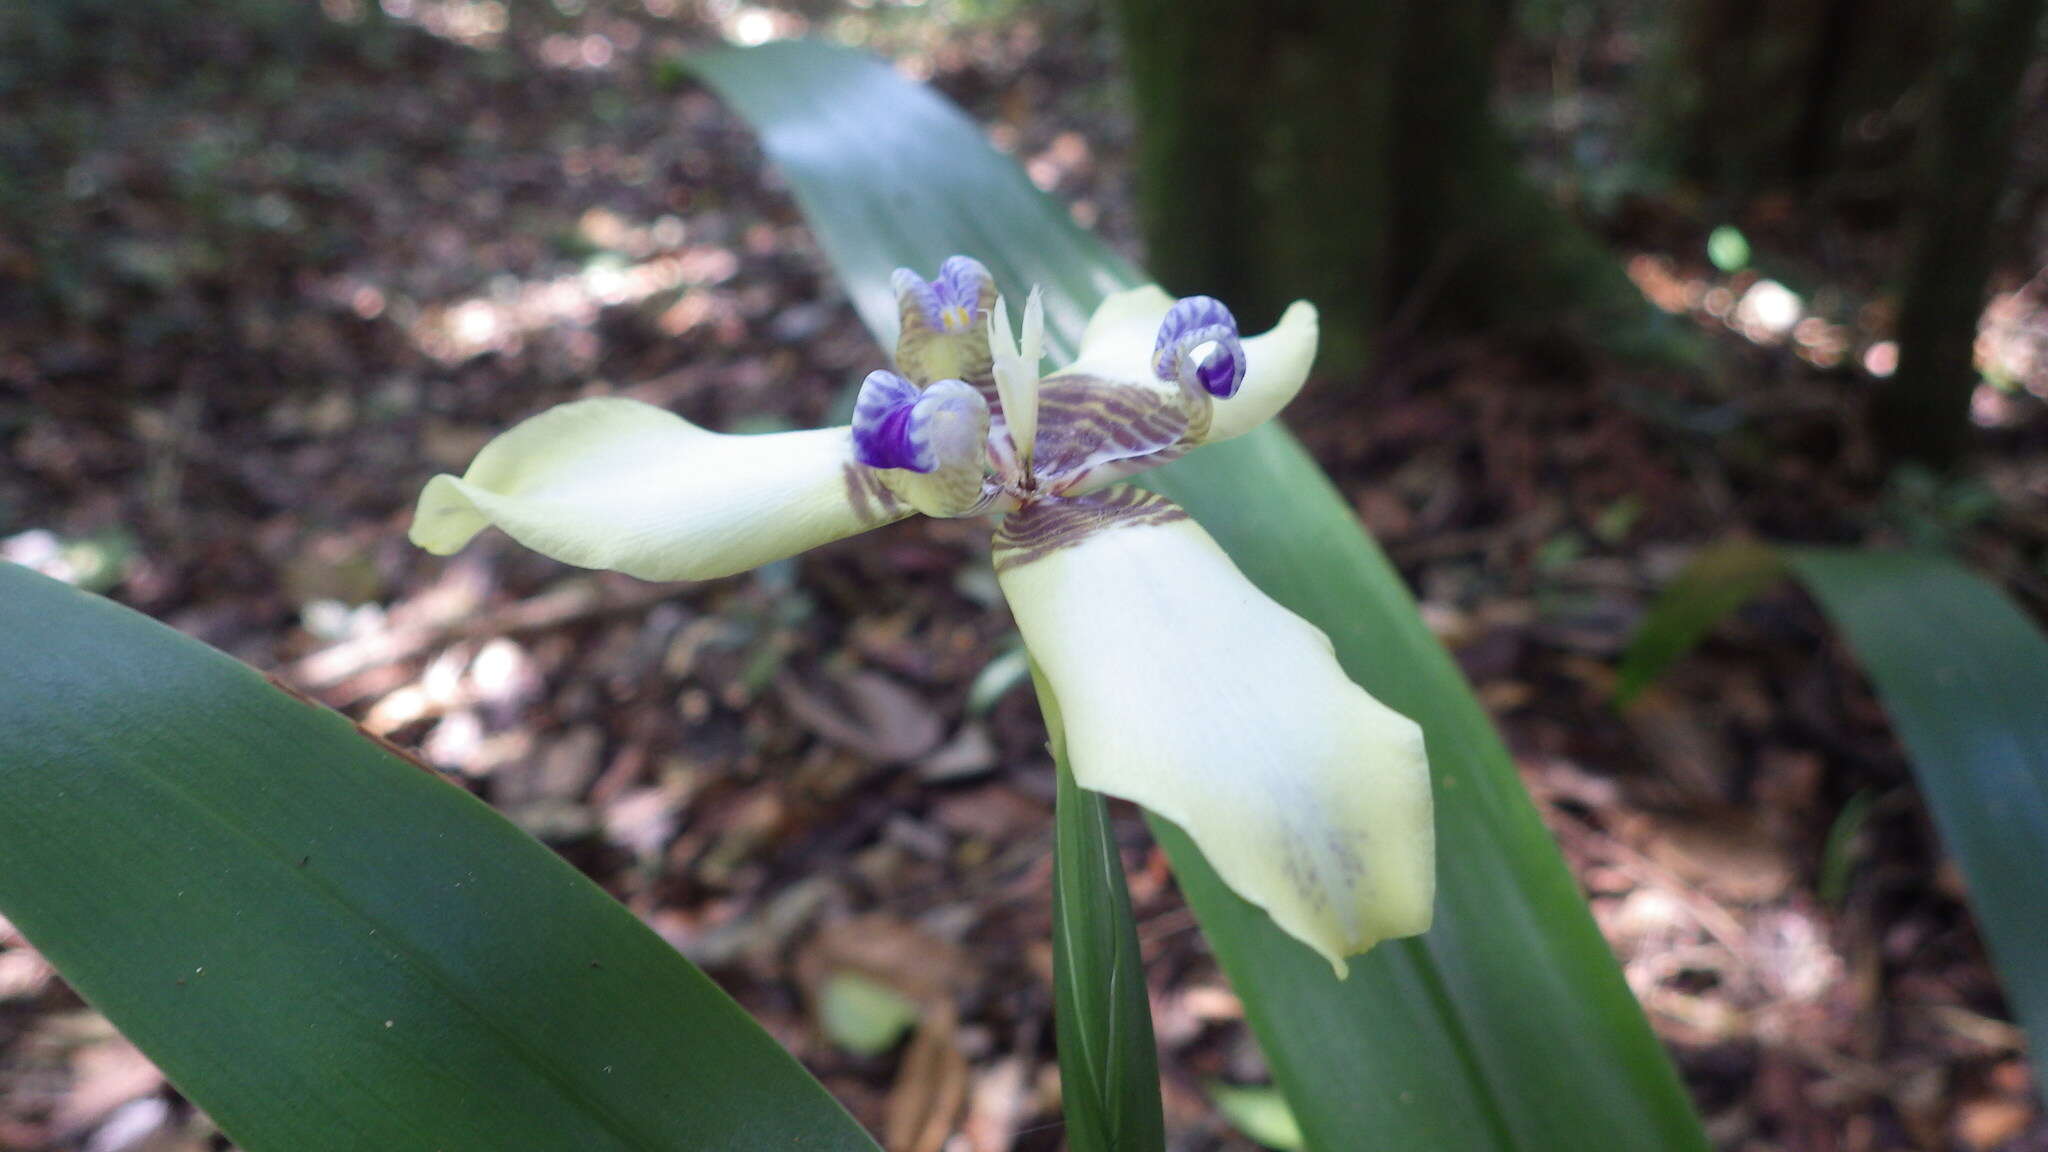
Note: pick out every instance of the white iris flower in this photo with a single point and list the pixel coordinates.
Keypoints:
(1182, 687)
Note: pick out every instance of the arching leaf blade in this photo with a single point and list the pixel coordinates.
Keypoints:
(326, 946)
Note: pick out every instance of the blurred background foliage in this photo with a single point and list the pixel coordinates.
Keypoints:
(1605, 281)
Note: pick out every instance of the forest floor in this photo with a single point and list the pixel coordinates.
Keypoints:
(264, 277)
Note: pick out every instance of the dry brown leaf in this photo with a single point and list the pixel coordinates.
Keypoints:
(1726, 855)
(890, 951)
(866, 713)
(931, 1086)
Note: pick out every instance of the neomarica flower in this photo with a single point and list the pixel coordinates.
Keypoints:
(1182, 687)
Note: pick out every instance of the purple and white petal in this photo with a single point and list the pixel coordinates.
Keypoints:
(883, 436)
(1198, 346)
(963, 290)
(896, 425)
(942, 333)
(929, 448)
(917, 301)
(1276, 364)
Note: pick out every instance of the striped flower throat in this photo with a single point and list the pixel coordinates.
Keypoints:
(968, 427)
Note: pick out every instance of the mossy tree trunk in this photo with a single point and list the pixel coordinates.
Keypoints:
(1965, 157)
(1343, 150)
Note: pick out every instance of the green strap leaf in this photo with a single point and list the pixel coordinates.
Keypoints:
(327, 947)
(1508, 1025)
(1963, 673)
(1109, 1063)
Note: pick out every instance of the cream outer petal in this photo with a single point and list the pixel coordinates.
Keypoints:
(1185, 689)
(614, 483)
(1117, 345)
(1276, 366)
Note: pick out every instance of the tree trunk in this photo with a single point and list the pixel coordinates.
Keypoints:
(1806, 97)
(1343, 150)
(1924, 408)
(1263, 137)
(1471, 234)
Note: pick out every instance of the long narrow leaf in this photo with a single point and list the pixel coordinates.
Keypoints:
(327, 947)
(1109, 1066)
(1964, 676)
(1508, 1025)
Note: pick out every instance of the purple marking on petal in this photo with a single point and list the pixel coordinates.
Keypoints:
(1189, 313)
(908, 283)
(1223, 370)
(882, 426)
(961, 279)
(1191, 323)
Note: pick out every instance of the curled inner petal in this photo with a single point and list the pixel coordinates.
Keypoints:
(882, 433)
(958, 292)
(897, 425)
(916, 299)
(1198, 346)
(942, 334)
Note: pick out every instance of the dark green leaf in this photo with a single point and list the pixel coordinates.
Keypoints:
(1508, 1025)
(1109, 1066)
(1722, 578)
(1963, 673)
(328, 947)
(1964, 676)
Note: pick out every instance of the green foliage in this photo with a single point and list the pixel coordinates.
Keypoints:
(1260, 1112)
(1719, 580)
(1508, 1025)
(1962, 673)
(863, 1016)
(1004, 671)
(1838, 854)
(1109, 1067)
(327, 947)
(1932, 509)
